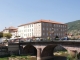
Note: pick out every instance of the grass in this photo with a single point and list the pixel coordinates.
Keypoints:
(65, 53)
(61, 53)
(20, 57)
(4, 58)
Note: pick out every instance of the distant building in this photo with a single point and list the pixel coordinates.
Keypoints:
(11, 30)
(42, 29)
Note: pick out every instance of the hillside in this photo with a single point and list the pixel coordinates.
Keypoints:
(75, 25)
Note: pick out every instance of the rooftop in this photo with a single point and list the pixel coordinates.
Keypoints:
(42, 20)
(11, 28)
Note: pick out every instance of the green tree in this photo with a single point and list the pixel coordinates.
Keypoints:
(7, 35)
(1, 34)
(56, 37)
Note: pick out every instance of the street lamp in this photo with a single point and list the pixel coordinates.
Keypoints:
(19, 46)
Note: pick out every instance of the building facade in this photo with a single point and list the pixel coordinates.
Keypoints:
(42, 29)
(12, 30)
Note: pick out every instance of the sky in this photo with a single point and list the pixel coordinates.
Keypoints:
(17, 12)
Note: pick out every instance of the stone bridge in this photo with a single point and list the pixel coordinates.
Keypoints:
(43, 50)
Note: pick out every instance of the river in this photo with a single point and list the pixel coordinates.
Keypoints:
(57, 58)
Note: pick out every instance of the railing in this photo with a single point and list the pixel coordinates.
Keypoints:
(43, 41)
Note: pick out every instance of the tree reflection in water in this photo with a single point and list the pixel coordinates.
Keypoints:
(58, 58)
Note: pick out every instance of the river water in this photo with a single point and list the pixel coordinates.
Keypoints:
(57, 58)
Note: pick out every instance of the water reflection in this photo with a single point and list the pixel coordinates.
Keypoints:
(57, 58)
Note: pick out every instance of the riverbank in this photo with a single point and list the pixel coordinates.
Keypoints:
(18, 58)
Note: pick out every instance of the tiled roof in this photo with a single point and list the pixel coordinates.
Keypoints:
(15, 30)
(11, 28)
(39, 21)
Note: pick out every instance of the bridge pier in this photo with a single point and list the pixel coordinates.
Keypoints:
(38, 53)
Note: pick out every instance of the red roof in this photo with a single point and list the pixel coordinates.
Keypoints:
(39, 21)
(11, 28)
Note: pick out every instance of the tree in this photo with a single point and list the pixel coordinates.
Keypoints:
(56, 37)
(48, 38)
(7, 35)
(1, 34)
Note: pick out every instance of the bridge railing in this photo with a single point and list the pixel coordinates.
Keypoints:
(42, 41)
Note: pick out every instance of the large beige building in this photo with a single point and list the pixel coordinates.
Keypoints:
(42, 29)
(11, 30)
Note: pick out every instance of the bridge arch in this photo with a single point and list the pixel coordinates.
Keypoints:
(50, 49)
(30, 50)
(60, 48)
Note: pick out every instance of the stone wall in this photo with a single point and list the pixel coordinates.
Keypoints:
(4, 51)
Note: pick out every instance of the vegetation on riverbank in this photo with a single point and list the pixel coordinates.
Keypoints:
(4, 58)
(18, 58)
(58, 53)
(66, 54)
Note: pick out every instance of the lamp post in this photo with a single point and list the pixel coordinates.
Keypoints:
(19, 46)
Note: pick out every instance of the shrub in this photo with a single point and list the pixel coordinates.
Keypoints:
(13, 56)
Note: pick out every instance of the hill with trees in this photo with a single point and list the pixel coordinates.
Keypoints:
(74, 27)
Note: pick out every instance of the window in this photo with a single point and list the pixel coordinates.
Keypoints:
(50, 34)
(42, 23)
(43, 34)
(24, 30)
(30, 30)
(50, 29)
(28, 26)
(63, 29)
(43, 28)
(30, 34)
(59, 25)
(56, 29)
(37, 34)
(59, 34)
(55, 25)
(47, 28)
(26, 34)
(65, 26)
(49, 24)
(32, 25)
(47, 34)
(56, 33)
